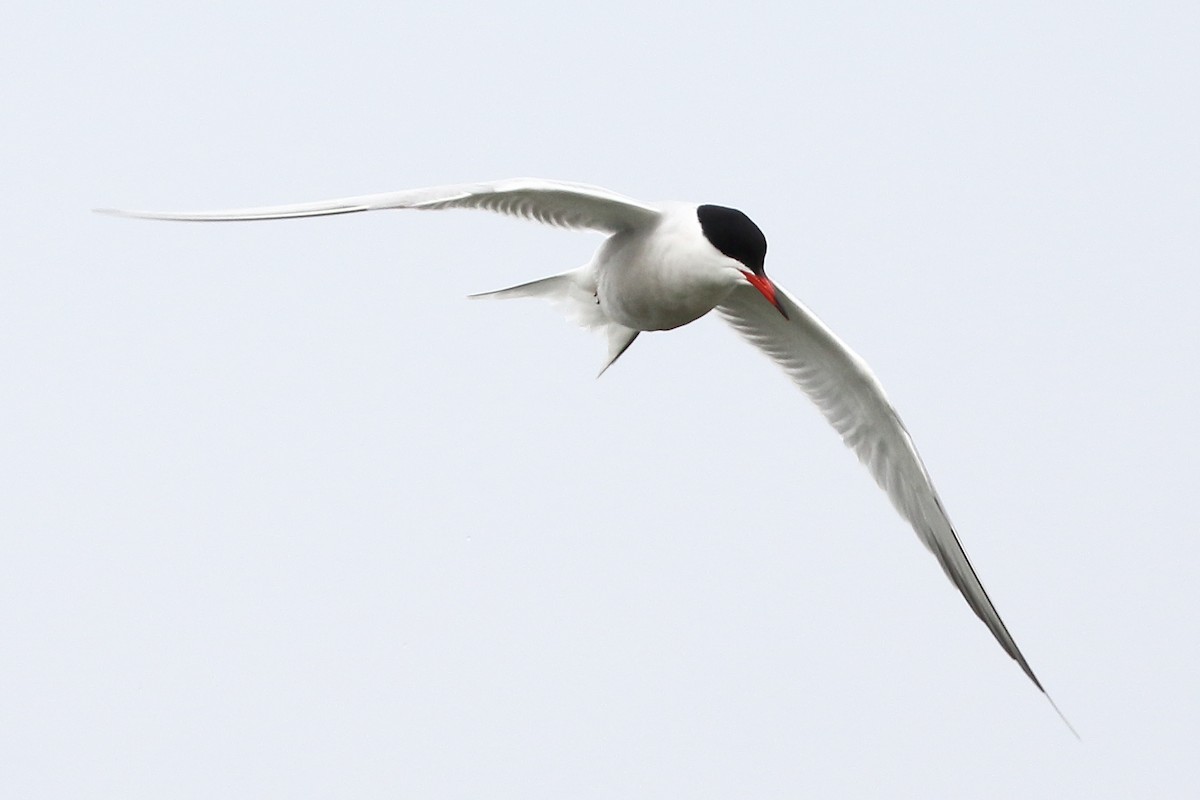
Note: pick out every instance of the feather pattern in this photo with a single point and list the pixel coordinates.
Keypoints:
(841, 385)
(558, 203)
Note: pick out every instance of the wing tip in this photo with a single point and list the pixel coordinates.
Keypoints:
(157, 215)
(1062, 716)
(1029, 672)
(1058, 711)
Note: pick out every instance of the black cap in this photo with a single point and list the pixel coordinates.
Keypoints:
(735, 235)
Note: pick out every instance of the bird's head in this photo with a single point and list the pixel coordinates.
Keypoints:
(736, 237)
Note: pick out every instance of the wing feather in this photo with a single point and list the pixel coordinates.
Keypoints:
(841, 385)
(565, 205)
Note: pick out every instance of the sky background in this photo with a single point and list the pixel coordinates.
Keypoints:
(283, 515)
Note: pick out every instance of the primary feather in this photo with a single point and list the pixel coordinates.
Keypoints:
(566, 205)
(848, 394)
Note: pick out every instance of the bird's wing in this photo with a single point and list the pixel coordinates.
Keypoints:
(567, 205)
(843, 388)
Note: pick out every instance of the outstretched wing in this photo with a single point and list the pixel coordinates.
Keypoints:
(566, 205)
(850, 397)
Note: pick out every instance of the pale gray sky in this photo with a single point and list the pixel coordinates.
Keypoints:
(283, 515)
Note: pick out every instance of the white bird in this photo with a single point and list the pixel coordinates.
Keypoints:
(664, 265)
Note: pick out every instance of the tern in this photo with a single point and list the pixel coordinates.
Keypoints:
(664, 265)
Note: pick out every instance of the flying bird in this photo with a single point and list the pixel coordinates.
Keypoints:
(664, 265)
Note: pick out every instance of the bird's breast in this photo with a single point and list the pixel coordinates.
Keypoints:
(657, 282)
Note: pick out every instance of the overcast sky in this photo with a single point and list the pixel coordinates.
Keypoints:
(284, 515)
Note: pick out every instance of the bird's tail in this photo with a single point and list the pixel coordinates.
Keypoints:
(575, 293)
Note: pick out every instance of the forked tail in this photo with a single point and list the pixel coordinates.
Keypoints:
(575, 293)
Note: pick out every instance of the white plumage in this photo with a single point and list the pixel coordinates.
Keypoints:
(666, 264)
